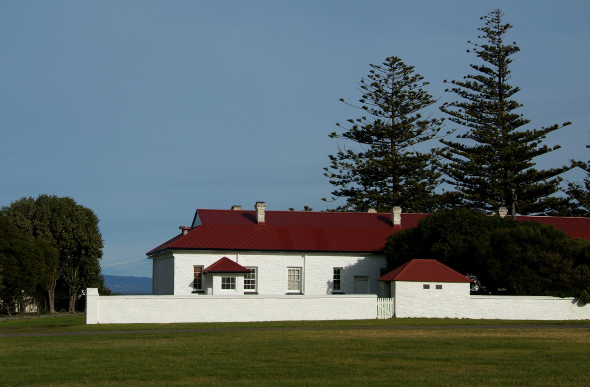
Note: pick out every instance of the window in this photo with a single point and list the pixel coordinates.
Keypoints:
(337, 271)
(439, 286)
(228, 283)
(294, 279)
(250, 280)
(425, 286)
(198, 281)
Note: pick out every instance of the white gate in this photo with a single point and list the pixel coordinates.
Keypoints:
(385, 308)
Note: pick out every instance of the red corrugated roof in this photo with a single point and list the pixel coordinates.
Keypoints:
(424, 270)
(289, 231)
(314, 231)
(226, 265)
(574, 227)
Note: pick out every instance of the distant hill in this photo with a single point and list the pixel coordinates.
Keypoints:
(128, 285)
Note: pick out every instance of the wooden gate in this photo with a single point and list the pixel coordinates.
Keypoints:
(385, 308)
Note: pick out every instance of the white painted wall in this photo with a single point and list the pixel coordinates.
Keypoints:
(216, 289)
(527, 308)
(177, 309)
(412, 300)
(272, 270)
(454, 301)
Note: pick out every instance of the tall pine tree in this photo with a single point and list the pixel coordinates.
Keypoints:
(580, 194)
(385, 169)
(497, 168)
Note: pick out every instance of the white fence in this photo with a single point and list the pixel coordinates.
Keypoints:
(385, 308)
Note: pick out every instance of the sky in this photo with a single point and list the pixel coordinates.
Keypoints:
(144, 111)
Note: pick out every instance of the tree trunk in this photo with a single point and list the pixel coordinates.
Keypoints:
(51, 295)
(72, 306)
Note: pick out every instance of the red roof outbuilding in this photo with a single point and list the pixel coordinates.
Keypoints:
(424, 270)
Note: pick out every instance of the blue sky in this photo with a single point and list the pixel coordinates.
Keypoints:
(146, 110)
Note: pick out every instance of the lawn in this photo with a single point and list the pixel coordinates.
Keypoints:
(339, 356)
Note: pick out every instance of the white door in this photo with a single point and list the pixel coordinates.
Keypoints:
(361, 285)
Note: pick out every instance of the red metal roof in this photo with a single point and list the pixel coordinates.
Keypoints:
(226, 265)
(424, 270)
(574, 227)
(314, 231)
(289, 231)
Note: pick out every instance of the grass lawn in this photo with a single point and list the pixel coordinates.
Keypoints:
(343, 356)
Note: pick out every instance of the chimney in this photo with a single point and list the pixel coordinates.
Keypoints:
(185, 229)
(236, 208)
(396, 216)
(372, 210)
(260, 207)
(503, 211)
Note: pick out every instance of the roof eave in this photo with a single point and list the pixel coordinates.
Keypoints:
(266, 250)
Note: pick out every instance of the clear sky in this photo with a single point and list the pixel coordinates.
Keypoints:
(144, 111)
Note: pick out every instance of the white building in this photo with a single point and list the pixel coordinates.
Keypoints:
(236, 265)
(240, 252)
(427, 288)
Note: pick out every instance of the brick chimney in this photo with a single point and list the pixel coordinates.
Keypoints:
(260, 208)
(185, 229)
(396, 216)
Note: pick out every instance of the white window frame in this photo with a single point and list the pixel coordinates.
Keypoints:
(298, 272)
(253, 277)
(228, 283)
(195, 288)
(337, 280)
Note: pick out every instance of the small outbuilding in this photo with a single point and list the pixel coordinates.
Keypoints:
(427, 288)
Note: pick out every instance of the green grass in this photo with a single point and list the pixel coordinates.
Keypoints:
(76, 323)
(455, 357)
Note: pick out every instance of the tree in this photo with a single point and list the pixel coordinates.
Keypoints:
(497, 168)
(25, 263)
(580, 194)
(457, 237)
(387, 169)
(73, 231)
(504, 255)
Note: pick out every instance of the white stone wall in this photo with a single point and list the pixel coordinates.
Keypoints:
(412, 300)
(527, 308)
(178, 309)
(163, 274)
(317, 270)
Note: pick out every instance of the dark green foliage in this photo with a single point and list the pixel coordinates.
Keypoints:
(506, 256)
(458, 238)
(499, 158)
(25, 265)
(73, 231)
(580, 194)
(537, 259)
(386, 170)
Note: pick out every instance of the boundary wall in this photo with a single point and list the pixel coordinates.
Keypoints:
(493, 308)
(527, 308)
(180, 309)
